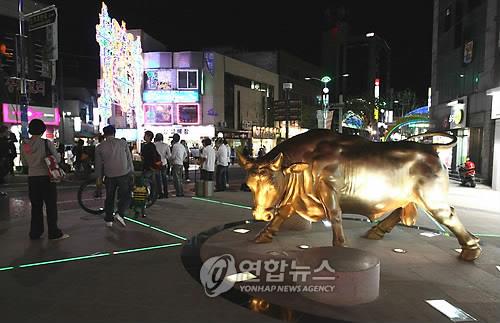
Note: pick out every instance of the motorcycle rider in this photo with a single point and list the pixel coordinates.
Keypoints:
(467, 172)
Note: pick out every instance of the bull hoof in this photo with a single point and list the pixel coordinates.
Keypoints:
(470, 254)
(263, 238)
(374, 233)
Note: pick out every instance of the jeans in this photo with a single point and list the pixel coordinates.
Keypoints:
(162, 181)
(124, 186)
(42, 190)
(220, 181)
(177, 175)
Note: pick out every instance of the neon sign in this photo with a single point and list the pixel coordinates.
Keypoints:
(121, 68)
(188, 114)
(159, 113)
(171, 96)
(12, 114)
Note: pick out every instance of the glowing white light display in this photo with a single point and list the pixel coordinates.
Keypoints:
(121, 69)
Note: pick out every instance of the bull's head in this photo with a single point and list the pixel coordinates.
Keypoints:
(268, 183)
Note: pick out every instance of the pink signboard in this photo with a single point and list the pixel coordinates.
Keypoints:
(158, 113)
(12, 114)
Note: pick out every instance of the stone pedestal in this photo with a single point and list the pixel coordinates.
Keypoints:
(356, 273)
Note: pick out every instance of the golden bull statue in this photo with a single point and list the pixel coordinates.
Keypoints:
(320, 174)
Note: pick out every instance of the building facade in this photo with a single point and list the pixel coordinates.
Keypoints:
(466, 81)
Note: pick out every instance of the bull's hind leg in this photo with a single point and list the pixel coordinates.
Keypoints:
(446, 215)
(333, 212)
(378, 231)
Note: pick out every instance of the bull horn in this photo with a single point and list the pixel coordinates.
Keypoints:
(244, 162)
(276, 163)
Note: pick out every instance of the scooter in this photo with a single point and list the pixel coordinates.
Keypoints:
(467, 176)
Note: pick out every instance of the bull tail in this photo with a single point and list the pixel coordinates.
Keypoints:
(409, 214)
(436, 146)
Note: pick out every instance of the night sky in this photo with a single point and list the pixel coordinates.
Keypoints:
(262, 25)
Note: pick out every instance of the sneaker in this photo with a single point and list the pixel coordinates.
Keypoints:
(109, 224)
(64, 236)
(120, 219)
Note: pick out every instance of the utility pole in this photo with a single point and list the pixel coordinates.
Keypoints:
(22, 73)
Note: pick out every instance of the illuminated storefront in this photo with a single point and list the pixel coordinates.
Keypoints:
(11, 117)
(266, 137)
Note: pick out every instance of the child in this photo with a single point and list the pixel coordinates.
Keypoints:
(139, 197)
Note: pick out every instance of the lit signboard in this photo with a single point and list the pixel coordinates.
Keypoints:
(188, 114)
(12, 114)
(170, 96)
(159, 113)
(164, 79)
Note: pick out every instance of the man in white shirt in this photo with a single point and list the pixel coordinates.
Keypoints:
(222, 162)
(177, 159)
(207, 159)
(163, 150)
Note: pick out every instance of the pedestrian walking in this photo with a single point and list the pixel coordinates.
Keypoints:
(151, 159)
(41, 189)
(207, 159)
(177, 159)
(228, 150)
(186, 161)
(113, 160)
(163, 150)
(222, 161)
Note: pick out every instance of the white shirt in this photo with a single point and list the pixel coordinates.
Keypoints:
(164, 150)
(208, 155)
(222, 156)
(178, 154)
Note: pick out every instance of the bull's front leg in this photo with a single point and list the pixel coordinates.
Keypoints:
(266, 234)
(333, 212)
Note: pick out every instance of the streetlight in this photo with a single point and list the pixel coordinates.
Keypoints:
(325, 98)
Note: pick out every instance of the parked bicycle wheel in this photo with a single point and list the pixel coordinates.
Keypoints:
(90, 198)
(93, 200)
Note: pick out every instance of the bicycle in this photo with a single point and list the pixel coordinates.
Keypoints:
(91, 199)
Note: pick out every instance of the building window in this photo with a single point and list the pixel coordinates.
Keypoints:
(187, 79)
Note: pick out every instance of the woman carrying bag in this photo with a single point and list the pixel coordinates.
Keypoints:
(42, 187)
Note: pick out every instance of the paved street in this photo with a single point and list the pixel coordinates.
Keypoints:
(135, 274)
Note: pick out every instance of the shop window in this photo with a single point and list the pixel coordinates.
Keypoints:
(187, 79)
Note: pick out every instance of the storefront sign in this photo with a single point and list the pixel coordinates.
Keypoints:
(159, 113)
(12, 114)
(164, 79)
(457, 117)
(265, 132)
(166, 96)
(468, 50)
(495, 102)
(188, 114)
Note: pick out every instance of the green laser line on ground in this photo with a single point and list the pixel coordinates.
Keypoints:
(223, 203)
(155, 228)
(103, 254)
